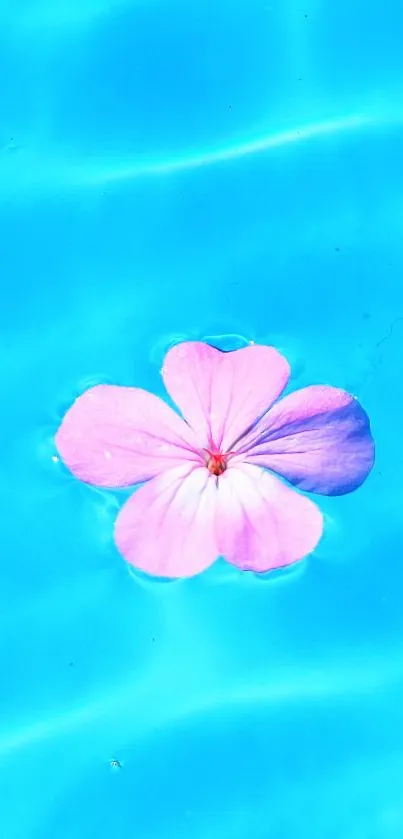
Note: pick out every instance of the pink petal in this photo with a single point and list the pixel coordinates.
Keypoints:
(221, 394)
(318, 438)
(119, 436)
(262, 523)
(166, 528)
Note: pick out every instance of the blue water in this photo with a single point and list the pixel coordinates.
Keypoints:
(173, 170)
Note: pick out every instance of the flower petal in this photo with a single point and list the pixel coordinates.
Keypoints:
(262, 523)
(118, 436)
(221, 394)
(166, 528)
(318, 438)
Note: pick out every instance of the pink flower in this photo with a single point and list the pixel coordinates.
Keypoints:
(218, 481)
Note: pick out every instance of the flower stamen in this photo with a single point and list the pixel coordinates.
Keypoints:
(216, 461)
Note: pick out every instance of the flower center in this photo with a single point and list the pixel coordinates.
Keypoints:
(216, 462)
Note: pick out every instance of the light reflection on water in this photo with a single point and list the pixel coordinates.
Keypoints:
(251, 758)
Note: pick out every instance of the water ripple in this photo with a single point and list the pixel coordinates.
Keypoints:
(130, 170)
(30, 171)
(136, 710)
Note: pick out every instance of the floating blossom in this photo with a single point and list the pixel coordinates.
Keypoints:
(219, 481)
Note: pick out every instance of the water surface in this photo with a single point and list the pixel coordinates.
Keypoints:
(169, 171)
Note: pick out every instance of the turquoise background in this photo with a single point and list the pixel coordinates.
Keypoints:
(230, 172)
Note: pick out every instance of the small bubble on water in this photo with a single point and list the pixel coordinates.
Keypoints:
(115, 764)
(46, 452)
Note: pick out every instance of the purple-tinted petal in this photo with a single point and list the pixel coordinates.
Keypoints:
(262, 523)
(166, 528)
(221, 394)
(318, 438)
(119, 436)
